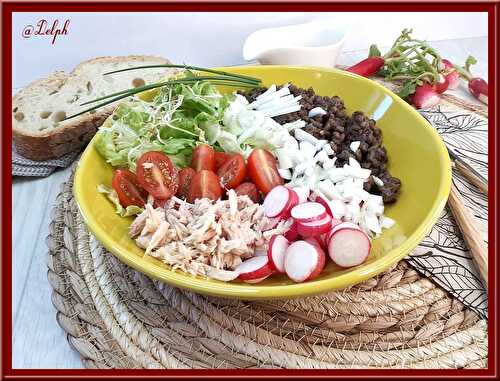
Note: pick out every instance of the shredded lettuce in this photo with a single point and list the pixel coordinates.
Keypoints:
(181, 116)
(244, 129)
(174, 122)
(111, 194)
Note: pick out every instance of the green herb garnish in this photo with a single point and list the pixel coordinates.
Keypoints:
(222, 78)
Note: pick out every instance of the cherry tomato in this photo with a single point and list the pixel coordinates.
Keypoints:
(250, 190)
(220, 158)
(232, 172)
(157, 175)
(205, 184)
(263, 170)
(129, 190)
(203, 158)
(185, 177)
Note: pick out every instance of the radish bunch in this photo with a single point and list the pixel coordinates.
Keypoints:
(420, 70)
(314, 231)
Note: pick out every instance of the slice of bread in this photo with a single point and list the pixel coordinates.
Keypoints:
(37, 110)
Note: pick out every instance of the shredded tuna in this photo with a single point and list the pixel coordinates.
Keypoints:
(207, 238)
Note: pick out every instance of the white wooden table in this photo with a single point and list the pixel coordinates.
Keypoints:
(38, 342)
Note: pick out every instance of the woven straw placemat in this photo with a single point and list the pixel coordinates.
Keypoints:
(116, 317)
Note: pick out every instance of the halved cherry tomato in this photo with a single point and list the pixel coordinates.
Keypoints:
(205, 184)
(250, 190)
(263, 170)
(221, 158)
(129, 190)
(233, 172)
(157, 175)
(185, 177)
(203, 158)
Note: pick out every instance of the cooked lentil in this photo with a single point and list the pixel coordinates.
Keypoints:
(341, 130)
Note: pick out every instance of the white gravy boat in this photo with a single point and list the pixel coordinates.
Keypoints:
(316, 43)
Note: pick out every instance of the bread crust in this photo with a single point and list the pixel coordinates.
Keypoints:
(60, 141)
(56, 142)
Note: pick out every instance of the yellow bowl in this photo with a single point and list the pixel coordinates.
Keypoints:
(417, 155)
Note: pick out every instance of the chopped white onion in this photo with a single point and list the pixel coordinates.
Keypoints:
(285, 173)
(307, 149)
(328, 149)
(316, 111)
(321, 156)
(329, 164)
(377, 181)
(301, 135)
(386, 222)
(354, 146)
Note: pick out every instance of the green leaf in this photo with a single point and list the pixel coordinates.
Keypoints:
(112, 196)
(469, 62)
(407, 89)
(374, 51)
(383, 72)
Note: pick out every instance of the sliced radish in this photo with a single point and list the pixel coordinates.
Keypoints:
(302, 193)
(256, 280)
(276, 252)
(322, 240)
(292, 233)
(308, 211)
(348, 246)
(254, 268)
(314, 228)
(276, 201)
(304, 260)
(323, 201)
(293, 200)
(342, 225)
(321, 258)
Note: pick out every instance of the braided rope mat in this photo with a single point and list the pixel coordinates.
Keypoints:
(116, 317)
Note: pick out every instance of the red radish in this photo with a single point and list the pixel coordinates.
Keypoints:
(340, 225)
(479, 88)
(425, 96)
(368, 67)
(308, 211)
(322, 240)
(254, 268)
(314, 228)
(302, 193)
(348, 245)
(276, 201)
(304, 260)
(292, 202)
(276, 252)
(451, 74)
(292, 233)
(322, 258)
(256, 280)
(323, 201)
(336, 222)
(442, 85)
